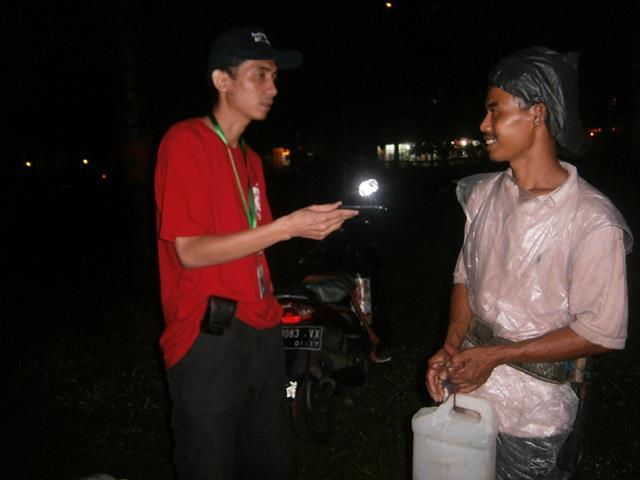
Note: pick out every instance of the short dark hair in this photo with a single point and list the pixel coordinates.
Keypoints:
(231, 67)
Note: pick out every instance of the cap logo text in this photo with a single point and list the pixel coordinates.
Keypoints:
(260, 37)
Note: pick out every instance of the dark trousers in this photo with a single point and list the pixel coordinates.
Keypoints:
(229, 413)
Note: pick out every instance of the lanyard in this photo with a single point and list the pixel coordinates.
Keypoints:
(249, 202)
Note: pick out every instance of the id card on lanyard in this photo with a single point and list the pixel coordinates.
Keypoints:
(248, 202)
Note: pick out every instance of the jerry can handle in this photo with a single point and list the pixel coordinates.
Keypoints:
(461, 402)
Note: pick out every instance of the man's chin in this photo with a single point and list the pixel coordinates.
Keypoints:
(496, 158)
(258, 116)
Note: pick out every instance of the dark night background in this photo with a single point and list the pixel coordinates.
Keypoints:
(88, 76)
(104, 80)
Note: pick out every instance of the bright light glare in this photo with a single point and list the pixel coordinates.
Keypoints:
(85, 161)
(388, 5)
(28, 164)
(368, 187)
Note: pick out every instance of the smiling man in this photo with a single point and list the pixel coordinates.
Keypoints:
(222, 341)
(540, 278)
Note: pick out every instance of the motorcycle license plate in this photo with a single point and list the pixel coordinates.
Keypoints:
(302, 337)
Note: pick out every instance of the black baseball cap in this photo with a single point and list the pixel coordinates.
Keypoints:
(249, 43)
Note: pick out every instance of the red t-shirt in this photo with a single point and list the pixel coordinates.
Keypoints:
(196, 193)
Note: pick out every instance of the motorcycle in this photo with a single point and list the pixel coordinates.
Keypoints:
(327, 329)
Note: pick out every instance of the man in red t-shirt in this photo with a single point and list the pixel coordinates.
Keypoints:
(226, 382)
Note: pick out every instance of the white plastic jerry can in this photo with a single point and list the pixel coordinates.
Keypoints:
(455, 443)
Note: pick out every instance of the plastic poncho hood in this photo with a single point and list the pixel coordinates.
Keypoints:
(542, 75)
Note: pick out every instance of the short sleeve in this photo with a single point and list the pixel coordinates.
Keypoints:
(598, 294)
(179, 186)
(460, 272)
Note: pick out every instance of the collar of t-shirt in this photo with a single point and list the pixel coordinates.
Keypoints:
(559, 194)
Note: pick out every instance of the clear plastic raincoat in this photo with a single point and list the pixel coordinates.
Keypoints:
(533, 265)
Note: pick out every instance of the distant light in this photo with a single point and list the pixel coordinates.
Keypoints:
(389, 152)
(593, 132)
(463, 142)
(281, 157)
(388, 5)
(405, 147)
(103, 176)
(85, 161)
(28, 164)
(404, 151)
(368, 187)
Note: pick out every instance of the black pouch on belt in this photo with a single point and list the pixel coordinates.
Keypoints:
(218, 315)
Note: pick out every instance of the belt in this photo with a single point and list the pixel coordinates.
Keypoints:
(555, 372)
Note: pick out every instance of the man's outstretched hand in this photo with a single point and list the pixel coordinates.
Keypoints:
(316, 221)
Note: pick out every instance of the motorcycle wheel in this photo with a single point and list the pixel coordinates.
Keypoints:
(312, 409)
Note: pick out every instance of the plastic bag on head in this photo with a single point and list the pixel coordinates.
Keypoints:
(542, 75)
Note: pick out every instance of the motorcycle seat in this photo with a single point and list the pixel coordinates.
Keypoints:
(332, 288)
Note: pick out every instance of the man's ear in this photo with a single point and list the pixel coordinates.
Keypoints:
(539, 113)
(220, 80)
